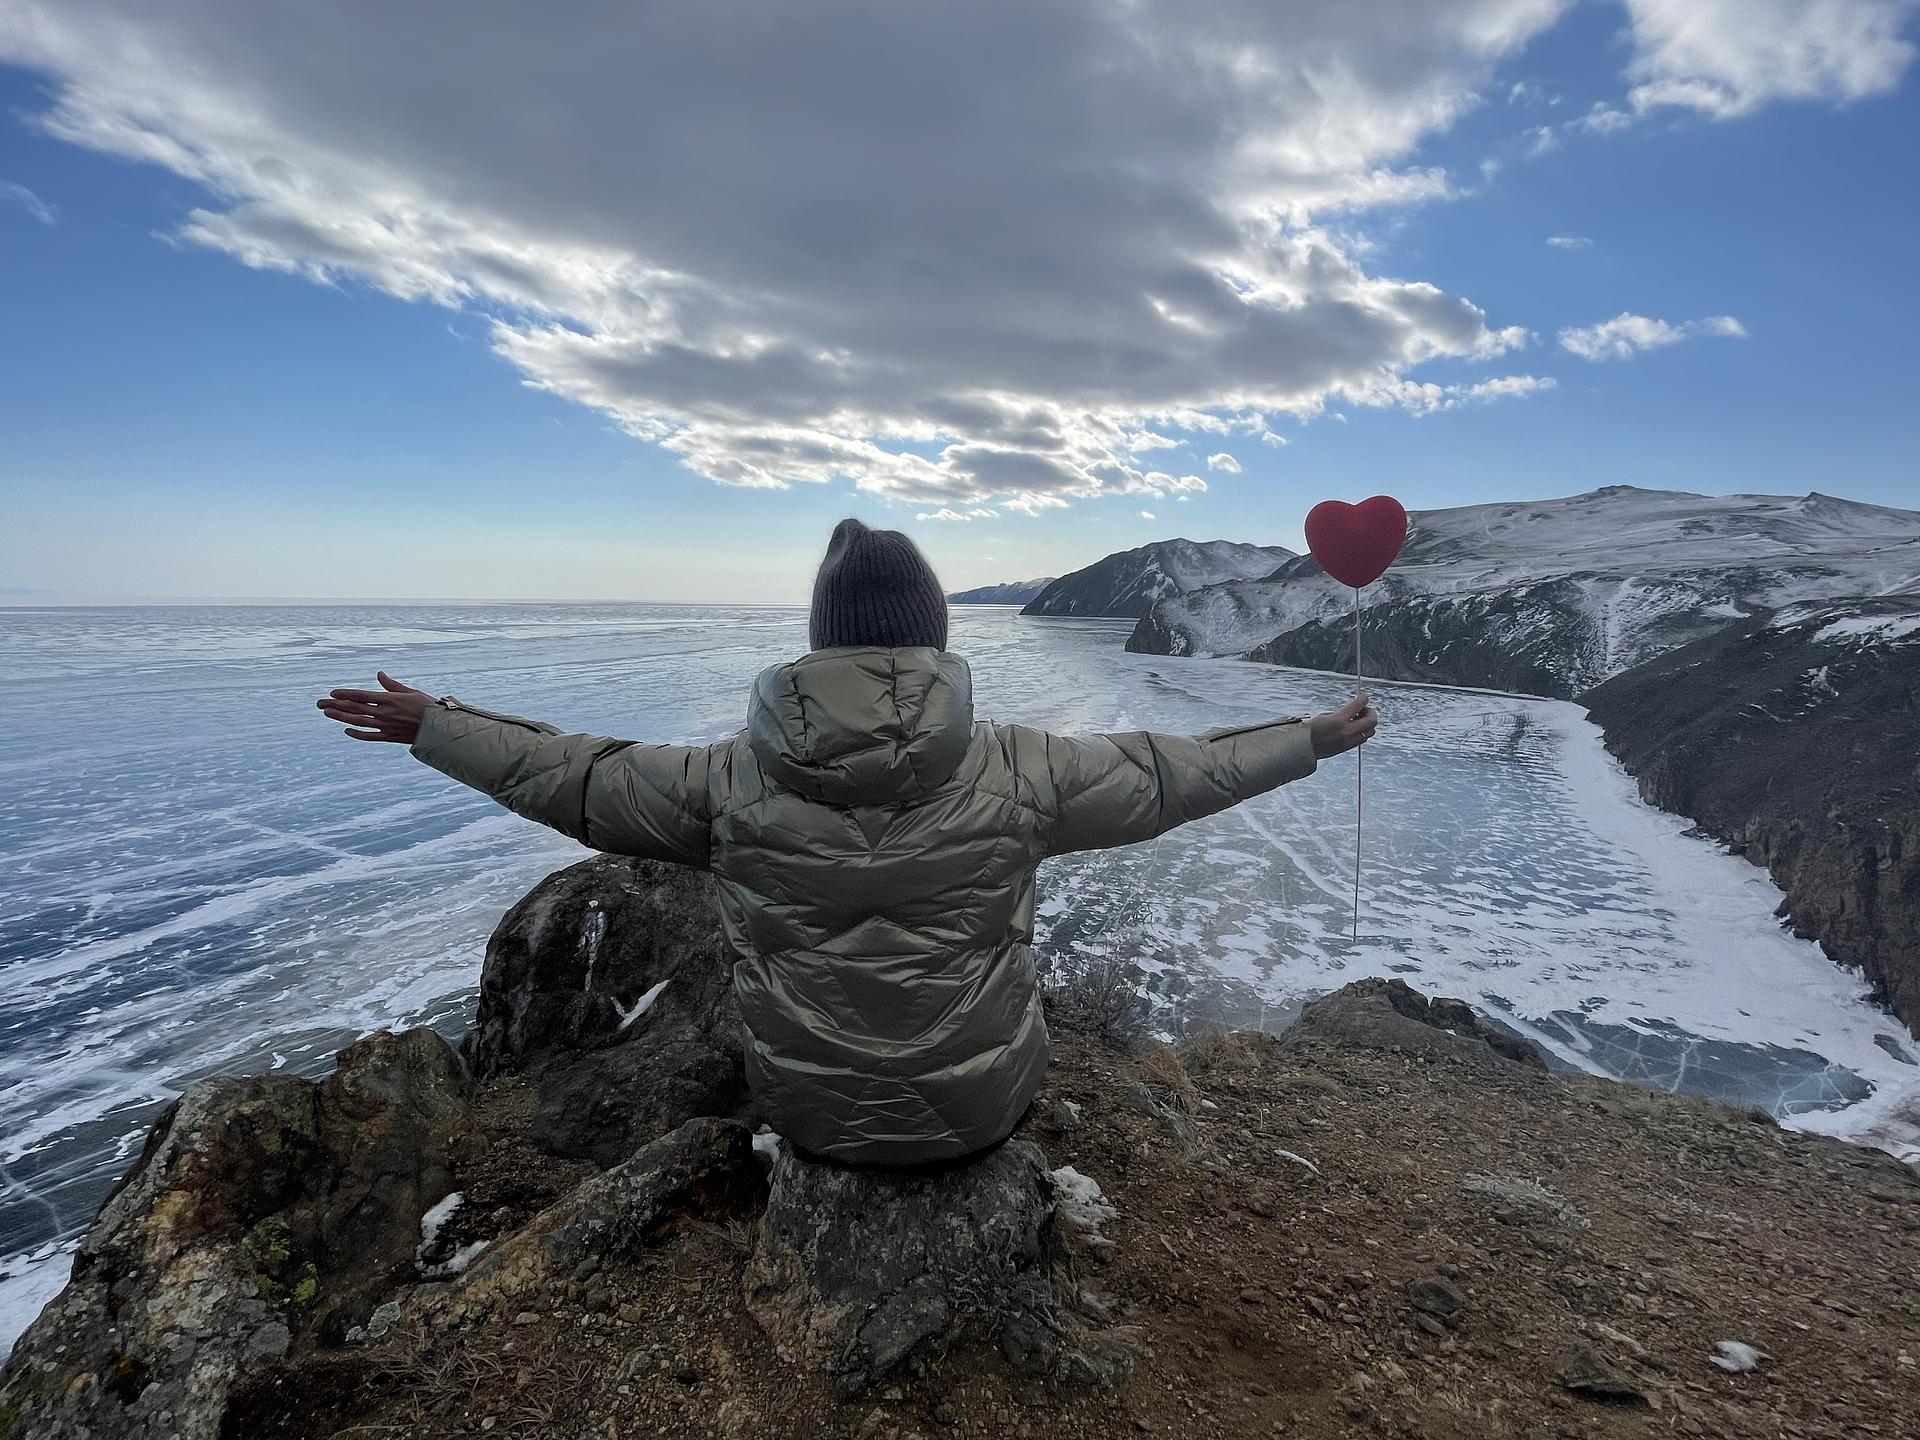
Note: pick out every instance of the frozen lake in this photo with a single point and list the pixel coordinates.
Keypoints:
(197, 875)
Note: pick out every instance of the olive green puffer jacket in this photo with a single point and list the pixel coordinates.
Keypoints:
(875, 847)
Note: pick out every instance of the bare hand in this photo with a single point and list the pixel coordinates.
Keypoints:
(390, 713)
(1347, 728)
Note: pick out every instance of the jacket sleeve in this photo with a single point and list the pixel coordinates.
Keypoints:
(1109, 790)
(613, 795)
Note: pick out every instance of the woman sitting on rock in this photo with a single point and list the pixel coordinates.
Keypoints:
(875, 848)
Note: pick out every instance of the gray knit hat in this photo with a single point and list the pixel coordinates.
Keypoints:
(876, 588)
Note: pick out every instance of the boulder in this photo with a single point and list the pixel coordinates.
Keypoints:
(703, 1170)
(258, 1207)
(861, 1271)
(611, 985)
(1387, 1014)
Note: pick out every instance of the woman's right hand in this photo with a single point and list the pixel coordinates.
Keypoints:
(1347, 728)
(391, 713)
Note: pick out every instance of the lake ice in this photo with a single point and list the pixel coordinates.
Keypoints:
(198, 875)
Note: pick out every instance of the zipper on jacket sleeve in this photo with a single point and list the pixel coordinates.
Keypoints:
(452, 703)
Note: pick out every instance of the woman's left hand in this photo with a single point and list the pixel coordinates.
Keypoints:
(1347, 728)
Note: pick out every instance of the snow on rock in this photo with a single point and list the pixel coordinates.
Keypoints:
(640, 1006)
(1735, 1357)
(1870, 629)
(1080, 1202)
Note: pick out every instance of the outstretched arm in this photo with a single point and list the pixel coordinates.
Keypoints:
(1118, 789)
(615, 795)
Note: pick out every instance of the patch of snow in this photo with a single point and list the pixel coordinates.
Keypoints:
(1081, 1202)
(1735, 1357)
(767, 1143)
(431, 1225)
(436, 1219)
(1298, 1160)
(640, 1006)
(27, 1282)
(1869, 630)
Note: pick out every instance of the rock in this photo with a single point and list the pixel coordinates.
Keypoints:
(611, 982)
(1385, 1014)
(1437, 1297)
(1172, 1118)
(863, 1271)
(387, 1115)
(1584, 1373)
(258, 1209)
(704, 1170)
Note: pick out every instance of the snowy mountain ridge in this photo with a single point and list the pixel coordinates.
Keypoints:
(1588, 585)
(1008, 592)
(1131, 582)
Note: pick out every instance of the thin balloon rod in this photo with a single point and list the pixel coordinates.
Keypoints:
(1359, 762)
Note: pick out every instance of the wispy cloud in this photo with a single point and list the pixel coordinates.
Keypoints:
(1569, 242)
(1627, 334)
(17, 194)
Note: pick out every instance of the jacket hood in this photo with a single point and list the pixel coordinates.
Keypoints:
(865, 725)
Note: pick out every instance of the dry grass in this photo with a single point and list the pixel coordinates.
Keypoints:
(1103, 998)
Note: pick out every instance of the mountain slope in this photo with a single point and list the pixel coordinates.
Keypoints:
(1131, 581)
(1563, 592)
(1795, 739)
(1012, 592)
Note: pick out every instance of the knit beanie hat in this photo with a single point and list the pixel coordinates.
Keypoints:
(876, 588)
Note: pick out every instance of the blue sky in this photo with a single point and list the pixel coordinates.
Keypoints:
(273, 332)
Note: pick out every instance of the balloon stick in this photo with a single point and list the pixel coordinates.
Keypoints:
(1359, 762)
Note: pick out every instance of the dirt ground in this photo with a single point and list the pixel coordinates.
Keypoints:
(1470, 1253)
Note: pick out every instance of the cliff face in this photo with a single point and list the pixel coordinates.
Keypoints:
(1795, 739)
(1392, 1220)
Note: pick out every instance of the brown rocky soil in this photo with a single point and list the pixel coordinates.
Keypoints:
(1478, 1237)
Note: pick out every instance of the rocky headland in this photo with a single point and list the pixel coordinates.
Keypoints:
(1390, 1221)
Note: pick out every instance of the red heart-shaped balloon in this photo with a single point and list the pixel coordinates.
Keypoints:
(1356, 543)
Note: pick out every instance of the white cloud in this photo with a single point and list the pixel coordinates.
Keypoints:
(1223, 461)
(805, 244)
(1602, 119)
(962, 517)
(1569, 242)
(1426, 398)
(1146, 514)
(1626, 334)
(1728, 57)
(20, 195)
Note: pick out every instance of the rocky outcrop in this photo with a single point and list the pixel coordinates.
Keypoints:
(859, 1272)
(1793, 738)
(1391, 1015)
(1387, 1219)
(610, 985)
(261, 1210)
